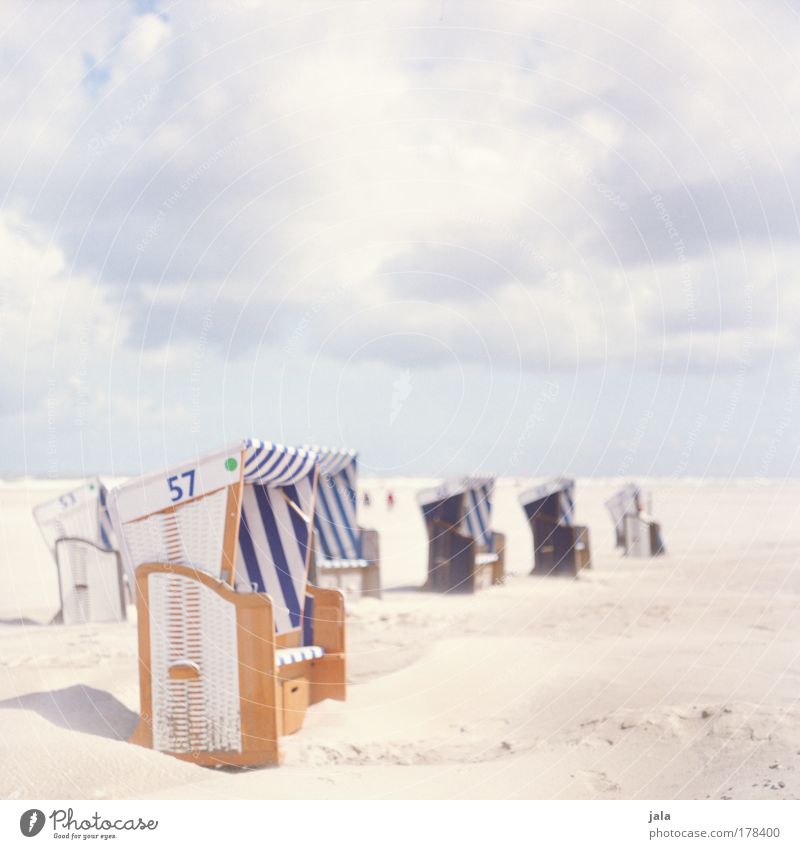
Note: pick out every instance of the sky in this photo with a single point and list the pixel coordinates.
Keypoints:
(521, 238)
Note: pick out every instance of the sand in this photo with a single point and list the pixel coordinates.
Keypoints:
(675, 677)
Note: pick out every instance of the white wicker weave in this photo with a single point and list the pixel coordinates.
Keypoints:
(79, 520)
(191, 625)
(192, 534)
(90, 583)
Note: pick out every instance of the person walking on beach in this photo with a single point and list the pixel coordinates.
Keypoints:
(366, 499)
(390, 499)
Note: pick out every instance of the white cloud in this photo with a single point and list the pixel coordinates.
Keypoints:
(308, 148)
(52, 322)
(567, 184)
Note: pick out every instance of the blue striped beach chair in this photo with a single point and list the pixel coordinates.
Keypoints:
(347, 555)
(560, 547)
(464, 553)
(77, 529)
(234, 643)
(637, 533)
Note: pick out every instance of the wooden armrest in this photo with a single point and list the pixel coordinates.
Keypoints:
(329, 618)
(254, 614)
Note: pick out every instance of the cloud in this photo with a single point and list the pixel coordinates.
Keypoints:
(562, 186)
(52, 322)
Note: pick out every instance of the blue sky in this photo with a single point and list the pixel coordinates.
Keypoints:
(528, 238)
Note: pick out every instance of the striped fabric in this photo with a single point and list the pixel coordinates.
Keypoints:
(471, 514)
(270, 464)
(477, 510)
(336, 518)
(554, 500)
(277, 508)
(283, 657)
(334, 461)
(81, 513)
(107, 537)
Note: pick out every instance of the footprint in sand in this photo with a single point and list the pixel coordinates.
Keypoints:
(599, 782)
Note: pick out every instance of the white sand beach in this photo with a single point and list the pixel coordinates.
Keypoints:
(675, 677)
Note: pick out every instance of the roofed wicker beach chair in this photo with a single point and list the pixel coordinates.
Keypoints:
(234, 644)
(347, 555)
(637, 533)
(77, 529)
(623, 502)
(559, 546)
(464, 554)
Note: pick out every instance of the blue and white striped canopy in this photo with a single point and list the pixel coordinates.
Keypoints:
(477, 511)
(472, 514)
(554, 500)
(274, 533)
(336, 517)
(334, 461)
(274, 529)
(270, 464)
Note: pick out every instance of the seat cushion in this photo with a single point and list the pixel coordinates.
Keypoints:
(283, 657)
(343, 564)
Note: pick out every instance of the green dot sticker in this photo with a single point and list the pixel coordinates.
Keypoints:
(231, 464)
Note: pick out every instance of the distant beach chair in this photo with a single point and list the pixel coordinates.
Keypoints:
(637, 533)
(464, 554)
(622, 503)
(234, 644)
(559, 546)
(77, 529)
(347, 555)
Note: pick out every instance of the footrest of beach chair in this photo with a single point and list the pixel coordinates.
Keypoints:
(284, 657)
(295, 694)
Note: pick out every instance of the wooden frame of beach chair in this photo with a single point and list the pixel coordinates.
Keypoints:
(77, 529)
(559, 547)
(347, 556)
(464, 555)
(234, 644)
(223, 695)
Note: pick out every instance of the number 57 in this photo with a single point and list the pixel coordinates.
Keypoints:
(176, 490)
